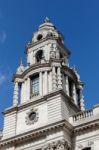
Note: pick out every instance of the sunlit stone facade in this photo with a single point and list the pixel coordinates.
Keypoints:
(48, 111)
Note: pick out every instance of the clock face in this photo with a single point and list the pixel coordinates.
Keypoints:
(32, 116)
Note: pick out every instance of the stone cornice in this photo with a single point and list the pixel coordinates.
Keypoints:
(41, 99)
(38, 42)
(36, 133)
(45, 39)
(32, 67)
(86, 127)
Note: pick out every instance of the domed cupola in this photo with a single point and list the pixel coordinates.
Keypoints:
(45, 30)
(21, 68)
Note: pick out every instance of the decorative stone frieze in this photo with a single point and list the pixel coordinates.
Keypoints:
(57, 145)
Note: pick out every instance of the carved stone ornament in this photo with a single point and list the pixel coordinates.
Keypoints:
(31, 116)
(90, 143)
(80, 146)
(57, 145)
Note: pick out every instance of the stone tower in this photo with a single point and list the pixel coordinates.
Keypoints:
(47, 93)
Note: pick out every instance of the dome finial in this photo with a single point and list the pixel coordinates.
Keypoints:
(21, 67)
(46, 20)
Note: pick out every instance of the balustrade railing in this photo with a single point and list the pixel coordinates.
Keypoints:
(83, 115)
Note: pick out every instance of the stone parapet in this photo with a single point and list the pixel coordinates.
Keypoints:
(85, 116)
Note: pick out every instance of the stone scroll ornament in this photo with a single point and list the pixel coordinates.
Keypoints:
(57, 145)
(31, 116)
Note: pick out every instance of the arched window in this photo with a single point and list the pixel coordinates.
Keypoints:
(39, 37)
(35, 85)
(39, 56)
(61, 56)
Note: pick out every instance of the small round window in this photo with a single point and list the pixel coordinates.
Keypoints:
(39, 37)
(32, 116)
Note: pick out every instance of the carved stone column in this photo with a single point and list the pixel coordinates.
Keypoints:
(28, 89)
(40, 85)
(59, 77)
(82, 106)
(81, 97)
(54, 82)
(46, 82)
(67, 86)
(74, 93)
(15, 94)
(22, 92)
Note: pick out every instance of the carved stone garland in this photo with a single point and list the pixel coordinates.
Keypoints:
(33, 119)
(57, 145)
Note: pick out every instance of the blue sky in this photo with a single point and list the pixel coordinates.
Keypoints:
(78, 20)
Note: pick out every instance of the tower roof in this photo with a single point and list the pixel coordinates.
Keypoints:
(46, 29)
(21, 67)
(47, 24)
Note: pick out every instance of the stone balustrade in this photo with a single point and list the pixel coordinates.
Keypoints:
(83, 115)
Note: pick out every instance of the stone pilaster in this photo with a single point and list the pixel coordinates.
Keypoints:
(41, 84)
(46, 82)
(74, 93)
(67, 86)
(15, 94)
(81, 97)
(59, 77)
(82, 106)
(54, 79)
(22, 92)
(28, 89)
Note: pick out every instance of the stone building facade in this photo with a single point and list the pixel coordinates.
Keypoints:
(48, 110)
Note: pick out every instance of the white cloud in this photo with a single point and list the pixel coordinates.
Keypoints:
(3, 36)
(2, 79)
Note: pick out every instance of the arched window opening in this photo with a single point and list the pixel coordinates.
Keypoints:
(39, 56)
(61, 56)
(39, 37)
(35, 85)
(78, 96)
